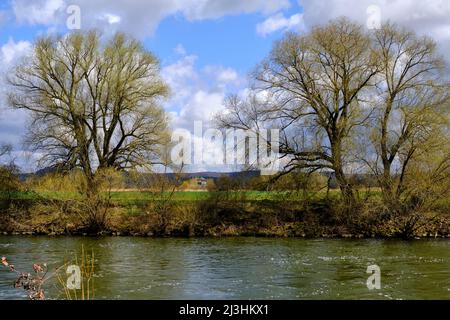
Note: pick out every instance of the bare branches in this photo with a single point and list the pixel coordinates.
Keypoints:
(5, 149)
(93, 105)
(413, 93)
(316, 85)
(338, 87)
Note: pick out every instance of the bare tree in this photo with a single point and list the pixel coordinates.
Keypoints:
(94, 105)
(317, 84)
(412, 109)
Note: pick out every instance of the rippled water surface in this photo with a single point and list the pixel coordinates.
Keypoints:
(241, 268)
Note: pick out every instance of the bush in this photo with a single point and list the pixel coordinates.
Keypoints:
(9, 181)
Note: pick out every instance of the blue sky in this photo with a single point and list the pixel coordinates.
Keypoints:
(230, 40)
(206, 47)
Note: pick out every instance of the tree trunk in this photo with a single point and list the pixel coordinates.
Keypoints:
(345, 186)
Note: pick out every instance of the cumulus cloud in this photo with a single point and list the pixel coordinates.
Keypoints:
(280, 22)
(37, 12)
(111, 18)
(209, 9)
(181, 76)
(138, 17)
(12, 122)
(200, 107)
(10, 53)
(425, 17)
(417, 14)
(430, 17)
(222, 75)
(13, 50)
(197, 95)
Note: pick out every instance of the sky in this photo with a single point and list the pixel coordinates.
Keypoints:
(206, 47)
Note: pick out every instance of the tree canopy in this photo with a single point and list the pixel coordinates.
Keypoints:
(94, 104)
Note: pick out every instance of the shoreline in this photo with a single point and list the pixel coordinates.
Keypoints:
(109, 234)
(313, 219)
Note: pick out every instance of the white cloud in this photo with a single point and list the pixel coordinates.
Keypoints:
(222, 75)
(181, 76)
(111, 18)
(10, 52)
(425, 17)
(37, 12)
(197, 95)
(227, 75)
(417, 14)
(210, 9)
(12, 122)
(139, 17)
(13, 50)
(202, 106)
(280, 22)
(430, 17)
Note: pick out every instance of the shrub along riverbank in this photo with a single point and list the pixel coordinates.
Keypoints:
(271, 214)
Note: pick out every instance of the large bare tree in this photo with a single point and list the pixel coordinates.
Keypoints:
(94, 103)
(412, 108)
(317, 83)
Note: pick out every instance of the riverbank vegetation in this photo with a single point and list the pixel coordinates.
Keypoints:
(233, 212)
(364, 141)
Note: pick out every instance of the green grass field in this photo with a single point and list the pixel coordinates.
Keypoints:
(129, 197)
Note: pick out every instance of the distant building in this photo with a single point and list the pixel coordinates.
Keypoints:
(202, 182)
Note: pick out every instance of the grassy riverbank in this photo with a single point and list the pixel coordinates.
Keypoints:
(252, 213)
(132, 196)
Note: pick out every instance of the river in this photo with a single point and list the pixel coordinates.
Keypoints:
(240, 268)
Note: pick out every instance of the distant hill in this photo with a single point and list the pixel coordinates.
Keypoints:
(216, 175)
(243, 176)
(38, 173)
(361, 179)
(184, 176)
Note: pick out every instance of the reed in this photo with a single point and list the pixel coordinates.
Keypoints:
(86, 262)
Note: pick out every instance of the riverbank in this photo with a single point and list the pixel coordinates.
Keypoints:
(230, 232)
(219, 217)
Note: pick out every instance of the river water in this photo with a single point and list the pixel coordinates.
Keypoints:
(239, 268)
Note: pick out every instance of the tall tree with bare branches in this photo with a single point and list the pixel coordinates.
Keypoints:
(412, 111)
(316, 83)
(94, 104)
